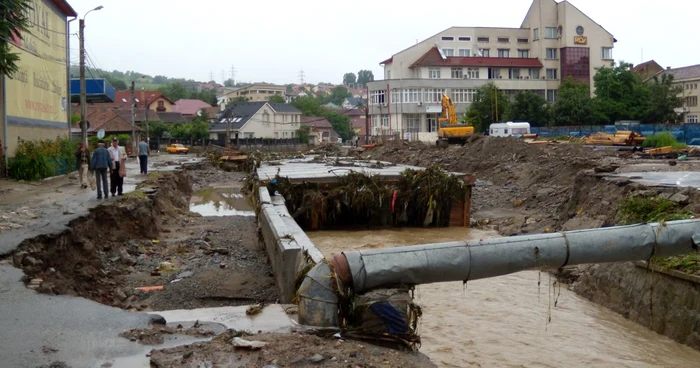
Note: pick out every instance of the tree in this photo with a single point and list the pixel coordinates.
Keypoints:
(289, 89)
(118, 84)
(620, 93)
(339, 94)
(157, 129)
(14, 21)
(228, 83)
(175, 91)
(311, 107)
(349, 78)
(364, 76)
(489, 106)
(531, 107)
(277, 99)
(574, 105)
(663, 98)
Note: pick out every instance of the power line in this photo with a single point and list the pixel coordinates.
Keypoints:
(301, 76)
(233, 74)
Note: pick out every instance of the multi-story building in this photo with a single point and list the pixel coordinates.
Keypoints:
(554, 41)
(687, 78)
(34, 100)
(259, 92)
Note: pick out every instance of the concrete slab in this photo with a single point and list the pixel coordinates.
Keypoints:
(273, 318)
(666, 179)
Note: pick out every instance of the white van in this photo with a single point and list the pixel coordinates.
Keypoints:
(509, 129)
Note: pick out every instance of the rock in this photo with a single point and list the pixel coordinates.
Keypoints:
(544, 193)
(18, 257)
(126, 258)
(119, 294)
(185, 274)
(222, 251)
(605, 203)
(531, 221)
(317, 358)
(672, 163)
(679, 198)
(269, 365)
(606, 168)
(222, 265)
(357, 355)
(30, 261)
(298, 360)
(158, 320)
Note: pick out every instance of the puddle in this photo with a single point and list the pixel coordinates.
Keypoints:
(220, 202)
(672, 179)
(142, 359)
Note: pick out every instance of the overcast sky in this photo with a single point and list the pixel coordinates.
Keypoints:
(272, 40)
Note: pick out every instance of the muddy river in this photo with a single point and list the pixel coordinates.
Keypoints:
(503, 321)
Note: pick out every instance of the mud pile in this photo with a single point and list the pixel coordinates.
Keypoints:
(91, 257)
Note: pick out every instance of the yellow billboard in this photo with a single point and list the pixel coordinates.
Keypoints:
(37, 94)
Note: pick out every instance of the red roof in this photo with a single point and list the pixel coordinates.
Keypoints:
(433, 58)
(316, 122)
(65, 8)
(108, 119)
(189, 107)
(144, 97)
(387, 61)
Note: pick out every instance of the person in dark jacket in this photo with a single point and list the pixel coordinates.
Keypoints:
(82, 162)
(101, 163)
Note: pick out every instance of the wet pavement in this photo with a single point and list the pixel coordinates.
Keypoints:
(666, 179)
(38, 329)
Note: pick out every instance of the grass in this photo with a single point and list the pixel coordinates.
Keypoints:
(644, 210)
(663, 139)
(136, 194)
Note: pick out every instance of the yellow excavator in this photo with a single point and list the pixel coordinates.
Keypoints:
(449, 130)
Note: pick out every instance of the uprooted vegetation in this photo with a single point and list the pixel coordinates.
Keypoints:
(418, 198)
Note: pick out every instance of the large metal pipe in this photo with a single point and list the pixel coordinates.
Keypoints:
(463, 261)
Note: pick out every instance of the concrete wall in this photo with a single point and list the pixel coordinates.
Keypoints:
(289, 249)
(666, 303)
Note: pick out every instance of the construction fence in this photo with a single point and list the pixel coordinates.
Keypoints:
(685, 133)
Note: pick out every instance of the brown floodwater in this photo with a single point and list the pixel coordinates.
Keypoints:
(502, 321)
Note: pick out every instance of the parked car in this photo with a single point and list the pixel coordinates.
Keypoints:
(177, 148)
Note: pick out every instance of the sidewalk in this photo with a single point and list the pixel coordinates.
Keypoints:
(45, 207)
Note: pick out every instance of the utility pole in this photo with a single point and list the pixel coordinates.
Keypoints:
(133, 118)
(223, 77)
(301, 76)
(211, 76)
(83, 91)
(233, 74)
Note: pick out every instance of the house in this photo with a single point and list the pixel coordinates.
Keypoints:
(188, 107)
(648, 69)
(111, 120)
(555, 41)
(332, 106)
(353, 103)
(258, 92)
(257, 120)
(34, 102)
(153, 100)
(687, 78)
(321, 129)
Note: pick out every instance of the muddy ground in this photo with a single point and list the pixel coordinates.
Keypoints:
(285, 350)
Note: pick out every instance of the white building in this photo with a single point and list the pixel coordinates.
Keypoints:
(257, 120)
(555, 41)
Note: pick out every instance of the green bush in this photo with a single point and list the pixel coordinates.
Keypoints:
(36, 160)
(663, 139)
(643, 210)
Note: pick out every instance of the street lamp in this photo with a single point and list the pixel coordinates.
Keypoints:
(83, 90)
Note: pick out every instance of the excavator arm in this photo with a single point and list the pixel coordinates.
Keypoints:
(449, 130)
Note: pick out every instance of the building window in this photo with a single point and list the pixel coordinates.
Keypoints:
(463, 95)
(691, 101)
(457, 73)
(551, 54)
(514, 73)
(433, 95)
(412, 95)
(434, 73)
(448, 38)
(161, 104)
(575, 63)
(503, 53)
(266, 116)
(524, 54)
(534, 74)
(395, 96)
(503, 39)
(535, 34)
(473, 73)
(579, 31)
(485, 52)
(691, 119)
(495, 73)
(523, 40)
(606, 53)
(431, 122)
(413, 122)
(551, 95)
(550, 32)
(551, 74)
(377, 97)
(465, 39)
(482, 39)
(385, 122)
(465, 52)
(448, 52)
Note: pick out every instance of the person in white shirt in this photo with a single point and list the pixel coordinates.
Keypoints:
(118, 155)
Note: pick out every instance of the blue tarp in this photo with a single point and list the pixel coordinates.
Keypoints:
(684, 133)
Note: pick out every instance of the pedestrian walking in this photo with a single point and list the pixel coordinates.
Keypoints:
(144, 152)
(82, 162)
(116, 178)
(100, 164)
